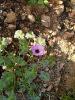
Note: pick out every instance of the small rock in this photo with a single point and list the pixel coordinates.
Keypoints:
(11, 26)
(4, 13)
(60, 2)
(43, 90)
(72, 14)
(74, 27)
(1, 11)
(45, 20)
(49, 88)
(68, 35)
(31, 18)
(0, 28)
(73, 1)
(54, 33)
(23, 16)
(59, 9)
(47, 69)
(11, 17)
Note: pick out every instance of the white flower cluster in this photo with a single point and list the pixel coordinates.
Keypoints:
(4, 42)
(40, 40)
(19, 34)
(30, 35)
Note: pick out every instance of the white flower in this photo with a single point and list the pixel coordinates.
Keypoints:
(4, 41)
(19, 34)
(4, 67)
(30, 35)
(40, 41)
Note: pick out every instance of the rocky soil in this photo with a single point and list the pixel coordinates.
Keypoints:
(55, 22)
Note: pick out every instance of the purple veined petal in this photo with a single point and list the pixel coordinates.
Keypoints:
(38, 50)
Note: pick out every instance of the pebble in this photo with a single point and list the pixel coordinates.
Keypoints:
(73, 1)
(59, 9)
(23, 16)
(11, 26)
(4, 13)
(31, 18)
(60, 2)
(49, 88)
(68, 35)
(74, 27)
(1, 11)
(43, 90)
(72, 14)
(11, 17)
(45, 20)
(54, 33)
(47, 69)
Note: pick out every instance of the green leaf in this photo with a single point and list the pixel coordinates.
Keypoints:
(8, 80)
(44, 76)
(23, 46)
(32, 2)
(51, 60)
(20, 61)
(11, 60)
(3, 97)
(1, 60)
(44, 63)
(12, 96)
(27, 79)
(1, 86)
(41, 2)
(66, 98)
(35, 97)
(30, 74)
(48, 61)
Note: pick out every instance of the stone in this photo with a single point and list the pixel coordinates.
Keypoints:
(68, 35)
(11, 26)
(11, 17)
(59, 9)
(73, 1)
(60, 2)
(23, 16)
(31, 18)
(74, 27)
(49, 88)
(46, 69)
(4, 13)
(45, 20)
(72, 14)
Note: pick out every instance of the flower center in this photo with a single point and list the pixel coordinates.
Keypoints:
(37, 51)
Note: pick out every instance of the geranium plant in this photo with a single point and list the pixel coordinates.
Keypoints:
(21, 66)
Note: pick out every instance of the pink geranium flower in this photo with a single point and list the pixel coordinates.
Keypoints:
(38, 50)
